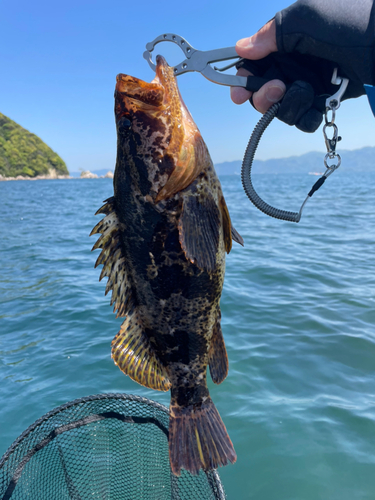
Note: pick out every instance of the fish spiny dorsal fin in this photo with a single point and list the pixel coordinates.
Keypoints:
(134, 355)
(106, 209)
(112, 259)
(217, 354)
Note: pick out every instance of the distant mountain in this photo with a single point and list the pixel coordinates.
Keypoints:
(358, 160)
(23, 153)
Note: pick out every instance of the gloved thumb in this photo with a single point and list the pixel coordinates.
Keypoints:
(259, 45)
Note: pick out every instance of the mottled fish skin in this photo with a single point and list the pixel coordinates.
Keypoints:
(164, 239)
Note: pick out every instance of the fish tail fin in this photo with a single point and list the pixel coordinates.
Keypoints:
(198, 439)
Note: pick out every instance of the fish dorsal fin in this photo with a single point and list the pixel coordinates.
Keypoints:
(217, 354)
(199, 229)
(112, 258)
(189, 163)
(134, 355)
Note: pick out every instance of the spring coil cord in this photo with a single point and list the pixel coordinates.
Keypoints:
(331, 105)
(246, 171)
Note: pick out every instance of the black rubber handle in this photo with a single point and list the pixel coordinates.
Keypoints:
(255, 82)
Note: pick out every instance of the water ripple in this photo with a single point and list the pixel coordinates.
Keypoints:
(298, 320)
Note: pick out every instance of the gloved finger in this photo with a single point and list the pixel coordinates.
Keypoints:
(239, 95)
(310, 121)
(297, 107)
(267, 95)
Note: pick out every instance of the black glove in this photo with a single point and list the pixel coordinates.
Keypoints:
(314, 37)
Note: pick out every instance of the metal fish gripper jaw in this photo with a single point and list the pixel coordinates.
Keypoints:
(169, 37)
(202, 62)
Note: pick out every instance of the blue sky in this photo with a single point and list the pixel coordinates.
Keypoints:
(59, 61)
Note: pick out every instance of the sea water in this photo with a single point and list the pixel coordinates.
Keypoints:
(297, 313)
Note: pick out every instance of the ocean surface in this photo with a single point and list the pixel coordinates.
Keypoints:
(298, 321)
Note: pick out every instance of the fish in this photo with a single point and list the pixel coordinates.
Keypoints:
(163, 241)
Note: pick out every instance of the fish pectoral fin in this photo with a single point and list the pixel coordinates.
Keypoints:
(199, 229)
(112, 258)
(133, 354)
(217, 355)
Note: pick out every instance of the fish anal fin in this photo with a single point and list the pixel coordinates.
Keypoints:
(112, 258)
(198, 439)
(217, 355)
(189, 163)
(134, 355)
(199, 230)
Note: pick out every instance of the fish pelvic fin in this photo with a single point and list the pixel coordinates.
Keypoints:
(112, 258)
(229, 232)
(134, 355)
(198, 439)
(217, 354)
(237, 237)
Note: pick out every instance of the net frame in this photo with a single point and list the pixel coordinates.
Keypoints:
(38, 436)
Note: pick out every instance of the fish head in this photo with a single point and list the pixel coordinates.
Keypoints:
(154, 123)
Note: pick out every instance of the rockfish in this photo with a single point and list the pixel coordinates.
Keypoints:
(163, 242)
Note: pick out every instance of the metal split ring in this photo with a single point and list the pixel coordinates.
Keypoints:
(331, 157)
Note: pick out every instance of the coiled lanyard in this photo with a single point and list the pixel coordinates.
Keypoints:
(332, 104)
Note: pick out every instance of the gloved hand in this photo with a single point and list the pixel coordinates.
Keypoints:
(301, 47)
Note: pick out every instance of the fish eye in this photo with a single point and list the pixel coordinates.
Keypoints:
(124, 124)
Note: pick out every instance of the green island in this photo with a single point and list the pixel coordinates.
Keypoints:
(25, 154)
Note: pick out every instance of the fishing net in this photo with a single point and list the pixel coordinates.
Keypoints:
(108, 446)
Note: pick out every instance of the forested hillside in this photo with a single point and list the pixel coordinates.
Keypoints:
(24, 153)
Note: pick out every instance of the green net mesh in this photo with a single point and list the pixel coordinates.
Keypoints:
(108, 446)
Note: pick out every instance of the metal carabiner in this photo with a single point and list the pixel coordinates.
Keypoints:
(331, 143)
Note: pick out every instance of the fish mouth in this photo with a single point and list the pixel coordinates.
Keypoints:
(133, 95)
